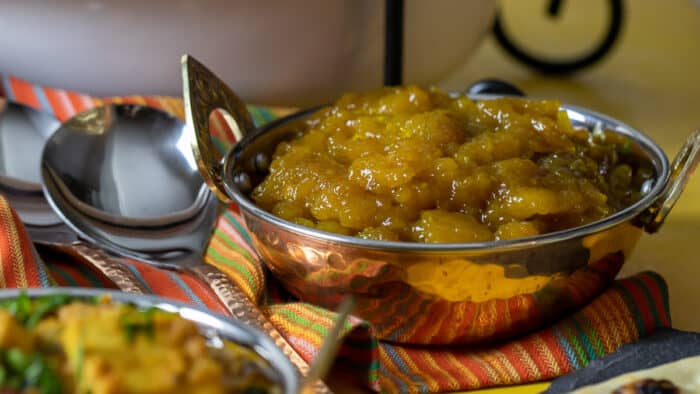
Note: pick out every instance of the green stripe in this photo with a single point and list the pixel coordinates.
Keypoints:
(238, 226)
(592, 345)
(300, 321)
(268, 115)
(63, 274)
(235, 265)
(663, 288)
(572, 338)
(220, 234)
(650, 299)
(632, 307)
(90, 276)
(256, 114)
(220, 146)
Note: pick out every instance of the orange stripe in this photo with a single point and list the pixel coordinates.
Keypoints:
(153, 102)
(24, 92)
(31, 267)
(448, 381)
(495, 375)
(13, 242)
(555, 352)
(542, 356)
(389, 364)
(497, 357)
(473, 379)
(619, 305)
(410, 364)
(418, 362)
(59, 103)
(205, 293)
(529, 370)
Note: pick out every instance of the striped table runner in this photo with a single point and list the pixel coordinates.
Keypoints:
(628, 310)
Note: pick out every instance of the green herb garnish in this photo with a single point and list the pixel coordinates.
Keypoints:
(22, 371)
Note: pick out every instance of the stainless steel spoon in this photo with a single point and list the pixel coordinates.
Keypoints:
(23, 131)
(124, 177)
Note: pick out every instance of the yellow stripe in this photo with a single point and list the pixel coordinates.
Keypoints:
(233, 275)
(166, 103)
(137, 100)
(628, 334)
(495, 374)
(507, 366)
(602, 326)
(527, 360)
(546, 355)
(177, 107)
(452, 383)
(15, 247)
(3, 206)
(471, 377)
(432, 383)
(389, 363)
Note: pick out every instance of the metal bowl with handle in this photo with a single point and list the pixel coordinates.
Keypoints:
(459, 293)
(214, 327)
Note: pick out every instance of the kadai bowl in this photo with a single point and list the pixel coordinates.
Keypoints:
(71, 340)
(451, 218)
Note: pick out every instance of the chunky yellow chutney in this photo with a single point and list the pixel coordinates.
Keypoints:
(53, 345)
(417, 165)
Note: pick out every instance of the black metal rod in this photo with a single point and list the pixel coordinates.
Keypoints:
(393, 43)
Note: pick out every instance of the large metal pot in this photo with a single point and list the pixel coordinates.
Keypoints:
(431, 293)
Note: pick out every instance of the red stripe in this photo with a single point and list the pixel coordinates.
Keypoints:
(24, 92)
(640, 299)
(657, 295)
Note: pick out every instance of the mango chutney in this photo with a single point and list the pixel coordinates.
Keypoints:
(418, 165)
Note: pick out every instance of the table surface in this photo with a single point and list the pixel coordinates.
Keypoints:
(650, 81)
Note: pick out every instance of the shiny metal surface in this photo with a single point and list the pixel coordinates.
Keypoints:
(124, 177)
(211, 325)
(468, 293)
(23, 131)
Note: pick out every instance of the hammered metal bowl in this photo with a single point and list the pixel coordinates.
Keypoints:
(430, 293)
(211, 325)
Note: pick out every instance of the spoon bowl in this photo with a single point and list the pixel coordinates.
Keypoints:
(123, 177)
(23, 132)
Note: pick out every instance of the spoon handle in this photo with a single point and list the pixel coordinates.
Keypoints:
(115, 271)
(244, 310)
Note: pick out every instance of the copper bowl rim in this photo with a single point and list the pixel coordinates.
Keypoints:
(578, 115)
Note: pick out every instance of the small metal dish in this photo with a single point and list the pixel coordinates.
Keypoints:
(212, 326)
(430, 293)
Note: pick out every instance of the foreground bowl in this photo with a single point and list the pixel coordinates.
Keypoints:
(210, 324)
(431, 293)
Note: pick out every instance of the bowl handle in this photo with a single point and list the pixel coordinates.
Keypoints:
(203, 92)
(682, 168)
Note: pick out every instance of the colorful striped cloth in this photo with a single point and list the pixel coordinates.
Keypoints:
(628, 310)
